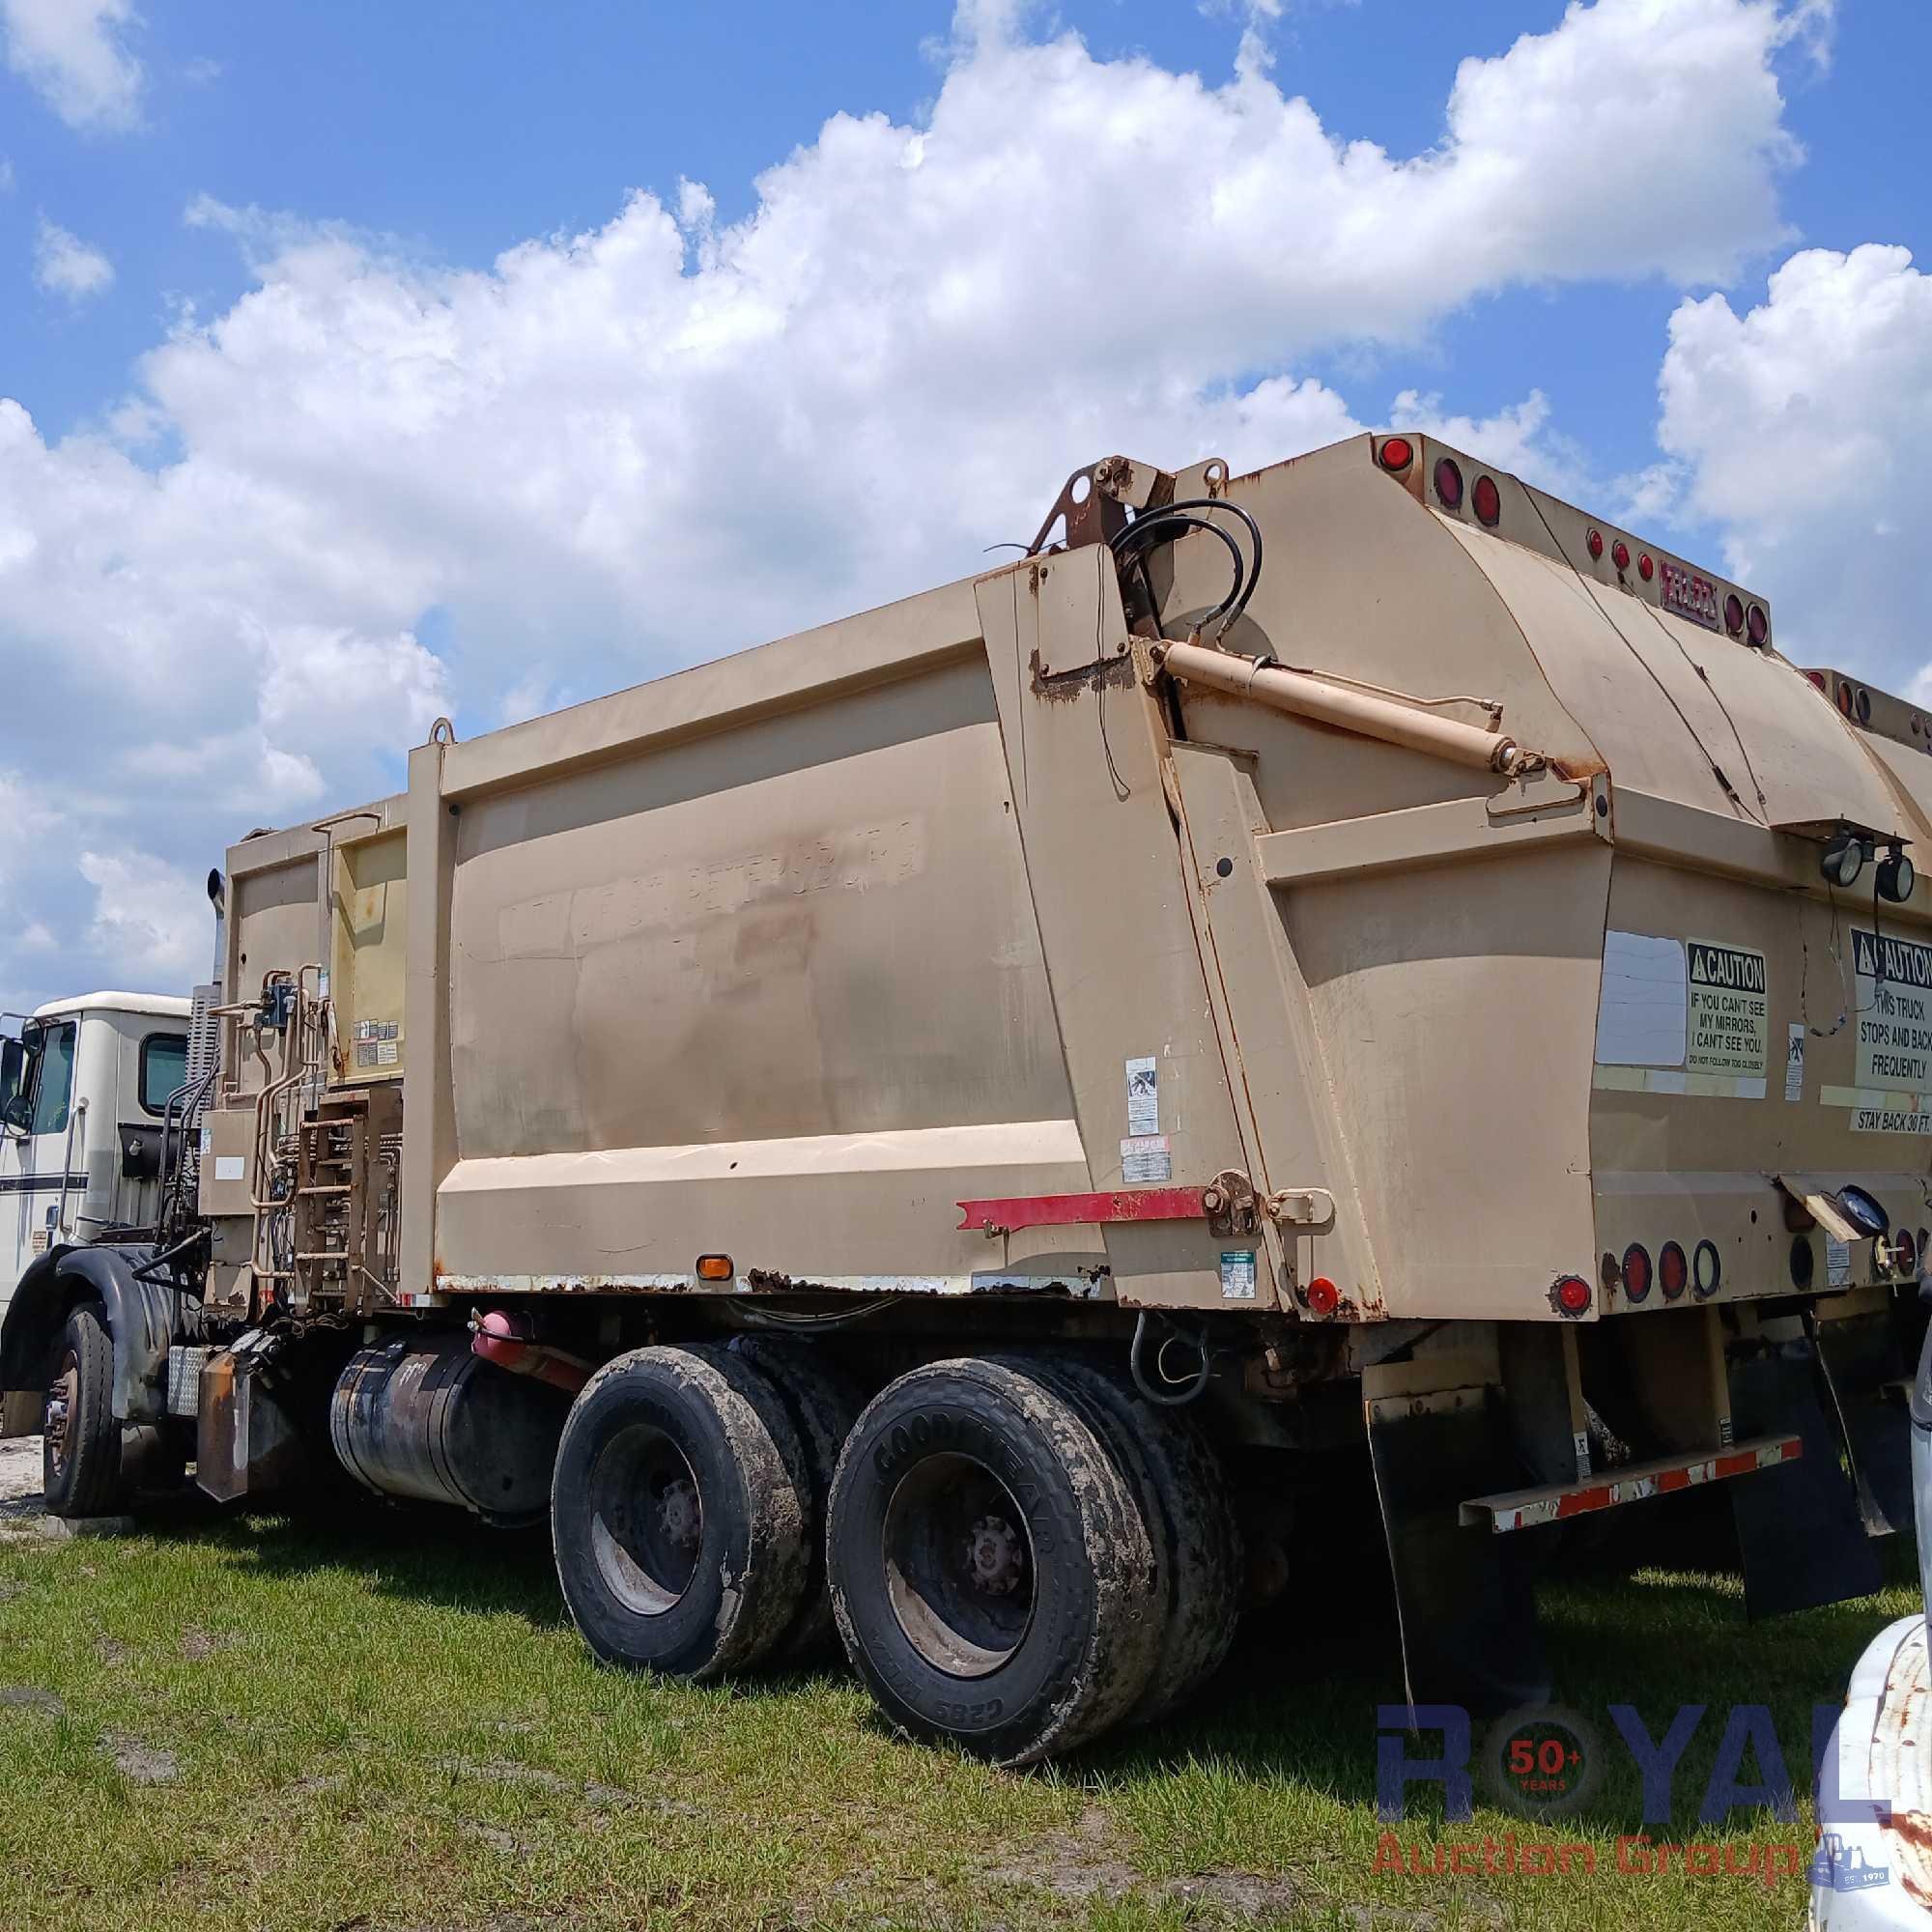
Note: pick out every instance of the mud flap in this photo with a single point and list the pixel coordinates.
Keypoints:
(1799, 1527)
(1867, 1377)
(1469, 1635)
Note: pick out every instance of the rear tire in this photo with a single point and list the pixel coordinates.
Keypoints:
(678, 1513)
(823, 1405)
(991, 1575)
(80, 1452)
(1182, 1492)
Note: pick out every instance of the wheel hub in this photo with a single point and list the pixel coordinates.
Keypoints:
(679, 1520)
(996, 1556)
(61, 1399)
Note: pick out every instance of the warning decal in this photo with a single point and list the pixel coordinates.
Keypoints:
(1893, 979)
(1730, 1030)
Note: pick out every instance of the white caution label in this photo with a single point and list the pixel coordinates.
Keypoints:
(1143, 1096)
(1892, 980)
(1730, 1029)
(1237, 1275)
(1889, 1120)
(1145, 1158)
(1794, 1062)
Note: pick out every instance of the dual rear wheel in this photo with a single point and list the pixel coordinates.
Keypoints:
(1016, 1554)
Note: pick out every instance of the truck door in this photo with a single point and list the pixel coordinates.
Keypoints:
(39, 1192)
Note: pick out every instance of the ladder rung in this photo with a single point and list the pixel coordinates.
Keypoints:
(343, 1188)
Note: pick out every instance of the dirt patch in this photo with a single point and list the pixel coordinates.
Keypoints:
(1093, 1861)
(107, 1651)
(198, 1645)
(500, 1771)
(138, 1762)
(29, 1697)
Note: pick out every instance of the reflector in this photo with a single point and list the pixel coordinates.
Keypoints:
(1397, 453)
(1709, 1270)
(1322, 1296)
(714, 1268)
(1572, 1294)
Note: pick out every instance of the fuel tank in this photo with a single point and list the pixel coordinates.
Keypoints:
(422, 1416)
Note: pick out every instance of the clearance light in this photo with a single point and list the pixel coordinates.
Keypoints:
(1637, 1271)
(1896, 876)
(1734, 619)
(1397, 453)
(715, 1268)
(1645, 569)
(1708, 1269)
(1449, 483)
(1862, 1210)
(1572, 1295)
(1672, 1271)
(1843, 859)
(1594, 544)
(1322, 1296)
(1620, 554)
(1488, 500)
(1846, 703)
(1758, 624)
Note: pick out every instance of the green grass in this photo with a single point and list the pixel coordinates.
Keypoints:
(392, 1724)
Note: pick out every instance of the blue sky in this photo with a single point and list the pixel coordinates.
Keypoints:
(286, 425)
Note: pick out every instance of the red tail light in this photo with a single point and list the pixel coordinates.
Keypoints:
(1904, 1253)
(1397, 453)
(1449, 483)
(1734, 617)
(1637, 1271)
(1845, 699)
(1645, 569)
(1620, 554)
(1758, 623)
(1572, 1294)
(1594, 544)
(1323, 1296)
(1673, 1271)
(1488, 500)
(1817, 677)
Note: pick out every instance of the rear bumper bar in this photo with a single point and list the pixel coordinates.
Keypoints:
(1527, 1509)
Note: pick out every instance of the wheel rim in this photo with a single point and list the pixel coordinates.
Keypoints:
(647, 1519)
(959, 1565)
(61, 1399)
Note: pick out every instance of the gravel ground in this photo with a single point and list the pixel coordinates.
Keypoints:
(20, 1475)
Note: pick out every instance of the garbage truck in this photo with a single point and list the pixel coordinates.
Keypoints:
(969, 1128)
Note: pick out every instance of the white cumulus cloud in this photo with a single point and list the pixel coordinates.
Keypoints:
(74, 53)
(63, 264)
(1798, 427)
(376, 488)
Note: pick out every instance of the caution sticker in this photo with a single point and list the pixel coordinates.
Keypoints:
(1729, 1017)
(1892, 980)
(1237, 1274)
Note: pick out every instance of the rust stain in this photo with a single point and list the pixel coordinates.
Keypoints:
(1064, 687)
(1579, 769)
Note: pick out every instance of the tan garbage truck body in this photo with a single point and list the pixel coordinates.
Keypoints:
(1360, 953)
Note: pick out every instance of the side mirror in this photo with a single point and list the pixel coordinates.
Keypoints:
(13, 1066)
(17, 1112)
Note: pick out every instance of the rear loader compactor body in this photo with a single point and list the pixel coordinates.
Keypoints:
(1359, 954)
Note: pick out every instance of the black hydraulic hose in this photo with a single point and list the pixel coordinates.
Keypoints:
(1245, 579)
(1162, 526)
(1178, 1394)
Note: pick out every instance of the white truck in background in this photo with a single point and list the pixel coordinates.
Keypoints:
(85, 1085)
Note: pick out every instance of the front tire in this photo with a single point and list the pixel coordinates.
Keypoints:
(80, 1442)
(991, 1574)
(678, 1513)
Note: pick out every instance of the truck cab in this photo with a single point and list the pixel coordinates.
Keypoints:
(84, 1089)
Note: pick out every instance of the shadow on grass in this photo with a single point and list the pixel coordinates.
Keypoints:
(1655, 1620)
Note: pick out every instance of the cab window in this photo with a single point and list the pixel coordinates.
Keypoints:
(53, 1084)
(163, 1069)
